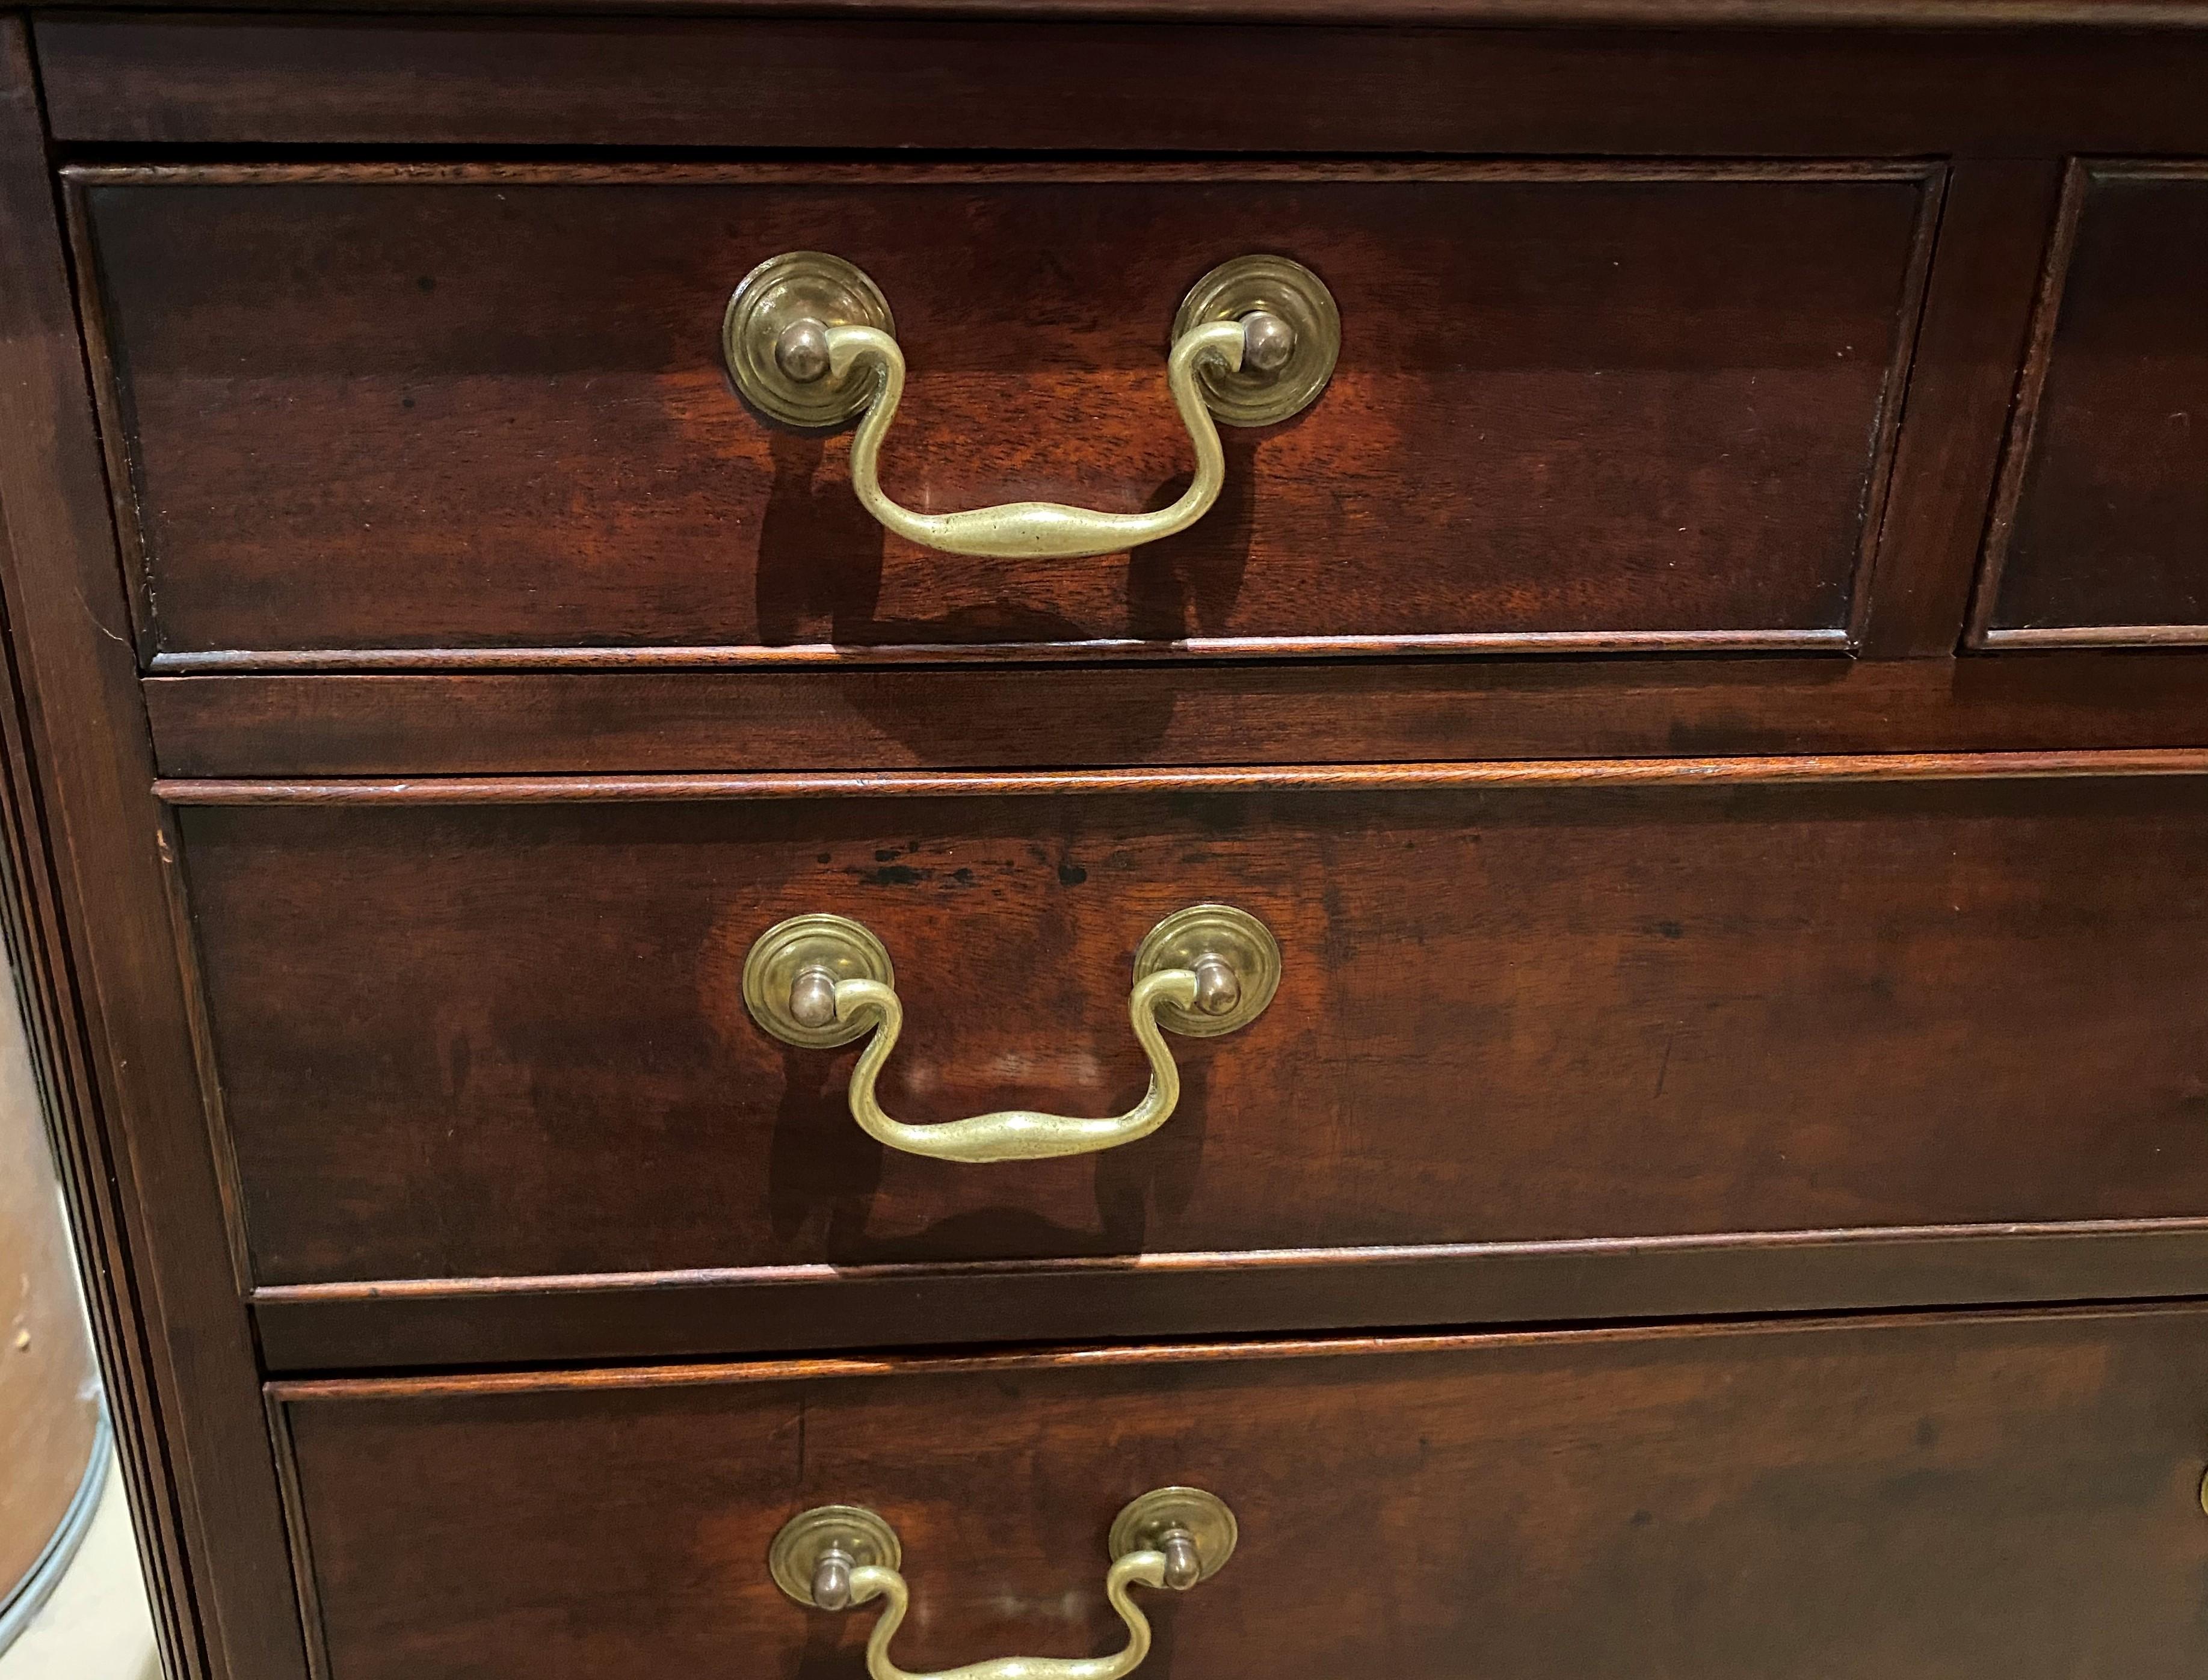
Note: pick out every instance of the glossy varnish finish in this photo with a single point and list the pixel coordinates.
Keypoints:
(1578, 1035)
(1897, 1501)
(2098, 534)
(1588, 404)
(90, 921)
(593, 722)
(825, 83)
(491, 1039)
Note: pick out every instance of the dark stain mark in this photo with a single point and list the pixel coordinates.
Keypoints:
(1928, 1431)
(1642, 1519)
(1670, 930)
(825, 857)
(406, 402)
(893, 874)
(884, 854)
(428, 283)
(1071, 874)
(963, 877)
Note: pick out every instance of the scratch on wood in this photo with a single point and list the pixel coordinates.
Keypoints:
(98, 624)
(1664, 1066)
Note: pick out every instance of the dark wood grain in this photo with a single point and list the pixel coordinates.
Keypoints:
(1995, 219)
(2107, 488)
(1006, 86)
(1661, 14)
(1752, 981)
(685, 722)
(1583, 773)
(62, 1057)
(1574, 407)
(1991, 1499)
(491, 1041)
(429, 1323)
(94, 903)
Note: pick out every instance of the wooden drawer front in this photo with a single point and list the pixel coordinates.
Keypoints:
(490, 1040)
(1583, 405)
(2105, 505)
(1942, 1499)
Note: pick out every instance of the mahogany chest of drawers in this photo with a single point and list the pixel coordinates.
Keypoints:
(1532, 673)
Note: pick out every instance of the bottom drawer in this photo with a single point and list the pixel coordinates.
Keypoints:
(2007, 1496)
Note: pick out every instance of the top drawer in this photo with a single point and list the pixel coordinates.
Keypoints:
(2098, 539)
(362, 412)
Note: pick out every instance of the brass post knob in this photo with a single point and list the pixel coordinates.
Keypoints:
(836, 1556)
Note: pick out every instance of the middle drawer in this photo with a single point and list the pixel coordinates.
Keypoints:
(503, 1039)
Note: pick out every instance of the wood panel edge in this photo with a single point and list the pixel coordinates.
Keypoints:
(306, 1587)
(188, 1368)
(1911, 314)
(2024, 415)
(810, 1311)
(1564, 773)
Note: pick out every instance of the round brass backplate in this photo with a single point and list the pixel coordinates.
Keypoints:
(1284, 288)
(1238, 939)
(844, 948)
(1203, 1516)
(800, 285)
(866, 1539)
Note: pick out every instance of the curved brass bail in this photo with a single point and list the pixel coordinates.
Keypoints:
(1036, 530)
(837, 1556)
(1016, 1134)
(820, 981)
(811, 341)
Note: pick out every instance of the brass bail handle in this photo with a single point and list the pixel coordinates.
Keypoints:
(811, 341)
(820, 980)
(836, 1556)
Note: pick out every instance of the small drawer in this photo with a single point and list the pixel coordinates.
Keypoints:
(2100, 538)
(496, 1042)
(1992, 1498)
(373, 415)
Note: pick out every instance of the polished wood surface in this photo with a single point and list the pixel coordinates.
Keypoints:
(1924, 1037)
(487, 1040)
(448, 1323)
(91, 910)
(1991, 1499)
(2096, 540)
(830, 83)
(1577, 406)
(1989, 15)
(1579, 773)
(1995, 219)
(592, 723)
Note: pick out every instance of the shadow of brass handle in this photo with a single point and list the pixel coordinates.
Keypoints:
(820, 981)
(811, 341)
(836, 1556)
